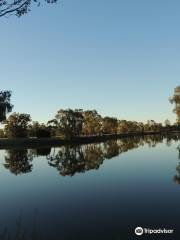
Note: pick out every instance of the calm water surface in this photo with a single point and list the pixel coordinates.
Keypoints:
(95, 191)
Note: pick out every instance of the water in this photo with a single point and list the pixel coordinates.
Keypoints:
(95, 191)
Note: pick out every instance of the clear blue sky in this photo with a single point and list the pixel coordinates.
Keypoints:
(119, 57)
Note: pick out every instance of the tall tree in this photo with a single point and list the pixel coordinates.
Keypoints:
(19, 7)
(5, 104)
(39, 130)
(92, 122)
(176, 100)
(17, 125)
(110, 125)
(167, 123)
(70, 122)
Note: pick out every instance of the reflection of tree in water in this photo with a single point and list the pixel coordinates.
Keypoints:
(93, 156)
(127, 144)
(153, 140)
(18, 161)
(73, 159)
(36, 152)
(80, 158)
(20, 231)
(111, 149)
(68, 160)
(177, 176)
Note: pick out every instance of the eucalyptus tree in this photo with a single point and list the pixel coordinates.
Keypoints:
(123, 126)
(110, 125)
(39, 130)
(19, 7)
(176, 100)
(69, 122)
(5, 104)
(17, 125)
(92, 123)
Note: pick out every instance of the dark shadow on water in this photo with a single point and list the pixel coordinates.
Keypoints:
(20, 232)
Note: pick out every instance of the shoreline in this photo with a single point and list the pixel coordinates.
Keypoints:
(6, 143)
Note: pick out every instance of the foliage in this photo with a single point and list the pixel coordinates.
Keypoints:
(110, 125)
(167, 123)
(176, 100)
(39, 130)
(19, 7)
(2, 134)
(92, 123)
(5, 104)
(17, 125)
(69, 122)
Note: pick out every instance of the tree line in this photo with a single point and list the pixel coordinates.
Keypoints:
(71, 123)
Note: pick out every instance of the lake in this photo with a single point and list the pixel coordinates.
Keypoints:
(94, 191)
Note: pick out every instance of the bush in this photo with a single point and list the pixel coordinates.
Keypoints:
(39, 130)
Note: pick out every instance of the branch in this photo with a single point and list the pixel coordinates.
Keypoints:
(15, 9)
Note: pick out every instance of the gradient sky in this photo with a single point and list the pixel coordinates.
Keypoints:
(119, 57)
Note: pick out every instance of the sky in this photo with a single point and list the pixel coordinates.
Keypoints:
(120, 57)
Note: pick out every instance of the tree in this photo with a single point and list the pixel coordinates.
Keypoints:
(167, 123)
(39, 130)
(151, 125)
(53, 127)
(19, 7)
(176, 100)
(2, 134)
(17, 125)
(123, 126)
(92, 123)
(69, 122)
(110, 125)
(5, 104)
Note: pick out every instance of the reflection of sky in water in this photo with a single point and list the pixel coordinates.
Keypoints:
(134, 188)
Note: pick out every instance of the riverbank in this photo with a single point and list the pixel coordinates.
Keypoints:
(57, 141)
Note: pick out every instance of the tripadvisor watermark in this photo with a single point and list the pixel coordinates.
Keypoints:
(140, 231)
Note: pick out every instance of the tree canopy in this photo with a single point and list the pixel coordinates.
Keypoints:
(5, 104)
(19, 7)
(69, 122)
(176, 100)
(92, 122)
(17, 124)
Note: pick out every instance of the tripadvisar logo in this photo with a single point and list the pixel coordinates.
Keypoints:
(140, 231)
